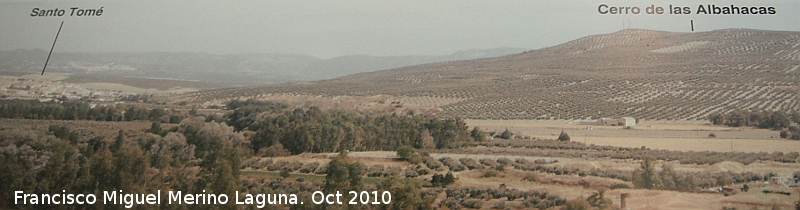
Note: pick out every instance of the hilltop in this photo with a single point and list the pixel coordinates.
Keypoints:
(639, 73)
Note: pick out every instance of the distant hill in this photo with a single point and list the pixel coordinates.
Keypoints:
(244, 69)
(638, 73)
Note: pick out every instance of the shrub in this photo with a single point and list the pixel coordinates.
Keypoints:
(646, 176)
(309, 168)
(785, 134)
(405, 152)
(411, 173)
(285, 173)
(506, 134)
(453, 164)
(277, 165)
(619, 186)
(433, 163)
(488, 162)
(392, 171)
(563, 136)
(321, 170)
(577, 204)
(295, 165)
(451, 203)
(472, 203)
(504, 161)
(598, 200)
(477, 134)
(423, 171)
(499, 205)
(531, 177)
(470, 163)
(375, 171)
(489, 173)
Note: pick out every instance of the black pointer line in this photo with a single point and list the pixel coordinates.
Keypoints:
(51, 48)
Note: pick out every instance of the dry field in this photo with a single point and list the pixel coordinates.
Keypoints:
(782, 169)
(677, 135)
(131, 89)
(144, 83)
(568, 186)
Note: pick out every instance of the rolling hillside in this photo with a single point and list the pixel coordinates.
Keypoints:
(639, 73)
(221, 69)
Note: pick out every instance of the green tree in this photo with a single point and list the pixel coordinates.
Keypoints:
(506, 134)
(118, 142)
(599, 200)
(784, 134)
(724, 180)
(448, 179)
(405, 193)
(155, 128)
(477, 134)
(563, 136)
(796, 116)
(405, 152)
(427, 141)
(668, 178)
(646, 176)
(737, 118)
(780, 120)
(716, 118)
(285, 173)
(342, 174)
(219, 170)
(687, 183)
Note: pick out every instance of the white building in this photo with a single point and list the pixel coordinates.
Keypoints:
(625, 121)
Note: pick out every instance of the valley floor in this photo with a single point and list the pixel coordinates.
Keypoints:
(669, 135)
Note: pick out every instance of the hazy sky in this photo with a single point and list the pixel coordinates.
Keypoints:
(329, 28)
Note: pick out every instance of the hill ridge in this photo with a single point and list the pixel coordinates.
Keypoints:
(639, 73)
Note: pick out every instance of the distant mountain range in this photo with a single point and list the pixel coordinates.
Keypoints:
(231, 69)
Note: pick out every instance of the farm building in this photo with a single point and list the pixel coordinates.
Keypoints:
(629, 121)
(625, 121)
(784, 180)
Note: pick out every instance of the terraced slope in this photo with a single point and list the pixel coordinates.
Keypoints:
(639, 73)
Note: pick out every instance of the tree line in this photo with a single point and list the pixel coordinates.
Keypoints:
(198, 154)
(78, 110)
(193, 157)
(776, 120)
(316, 130)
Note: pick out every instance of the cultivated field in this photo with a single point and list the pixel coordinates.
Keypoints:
(570, 187)
(678, 135)
(648, 75)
